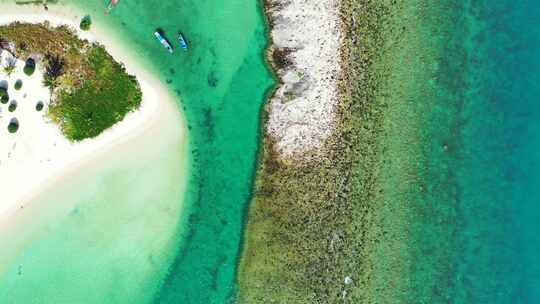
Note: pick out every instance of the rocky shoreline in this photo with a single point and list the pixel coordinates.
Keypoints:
(318, 218)
(306, 38)
(297, 241)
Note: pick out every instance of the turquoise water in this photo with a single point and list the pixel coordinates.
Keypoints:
(105, 236)
(475, 239)
(475, 235)
(220, 85)
(500, 174)
(221, 81)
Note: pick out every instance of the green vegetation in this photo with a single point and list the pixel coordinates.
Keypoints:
(90, 91)
(29, 67)
(4, 96)
(12, 106)
(13, 125)
(54, 68)
(100, 102)
(18, 84)
(39, 106)
(42, 39)
(86, 22)
(10, 66)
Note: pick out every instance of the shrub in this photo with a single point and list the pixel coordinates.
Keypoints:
(54, 68)
(4, 96)
(86, 22)
(10, 65)
(18, 84)
(29, 67)
(12, 106)
(39, 106)
(13, 125)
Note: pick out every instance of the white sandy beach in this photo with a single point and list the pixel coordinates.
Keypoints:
(38, 155)
(106, 210)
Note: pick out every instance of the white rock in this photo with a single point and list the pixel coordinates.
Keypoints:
(302, 112)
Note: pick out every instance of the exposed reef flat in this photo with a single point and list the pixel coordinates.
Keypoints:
(333, 228)
(306, 40)
(301, 208)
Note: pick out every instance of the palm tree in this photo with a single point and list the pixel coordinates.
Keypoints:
(11, 63)
(54, 68)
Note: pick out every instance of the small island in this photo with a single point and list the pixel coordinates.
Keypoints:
(66, 95)
(90, 91)
(92, 143)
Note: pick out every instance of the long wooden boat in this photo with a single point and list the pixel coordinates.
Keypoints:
(163, 41)
(182, 41)
(112, 4)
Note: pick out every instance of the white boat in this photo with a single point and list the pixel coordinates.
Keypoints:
(112, 4)
(163, 41)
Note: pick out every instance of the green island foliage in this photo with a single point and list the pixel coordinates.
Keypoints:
(10, 67)
(12, 106)
(100, 102)
(54, 68)
(90, 91)
(39, 106)
(86, 22)
(13, 125)
(29, 67)
(43, 39)
(4, 96)
(18, 84)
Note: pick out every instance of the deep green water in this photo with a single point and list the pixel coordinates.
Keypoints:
(220, 84)
(465, 173)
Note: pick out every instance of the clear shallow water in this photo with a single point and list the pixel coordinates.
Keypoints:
(222, 82)
(474, 218)
(473, 237)
(105, 236)
(460, 216)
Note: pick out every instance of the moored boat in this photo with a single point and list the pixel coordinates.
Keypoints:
(112, 4)
(182, 41)
(163, 41)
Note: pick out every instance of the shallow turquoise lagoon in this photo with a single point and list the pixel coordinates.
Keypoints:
(220, 85)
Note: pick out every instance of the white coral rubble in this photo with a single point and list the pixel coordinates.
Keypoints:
(302, 112)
